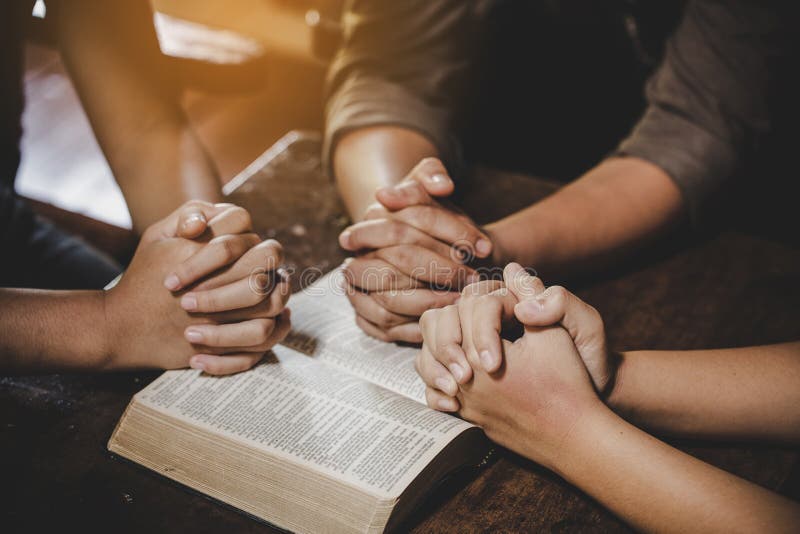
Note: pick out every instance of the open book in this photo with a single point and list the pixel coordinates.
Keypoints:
(329, 434)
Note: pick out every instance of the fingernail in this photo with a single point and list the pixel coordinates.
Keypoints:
(195, 217)
(344, 238)
(487, 360)
(189, 302)
(444, 384)
(197, 363)
(172, 282)
(456, 371)
(439, 179)
(483, 246)
(537, 303)
(194, 336)
(448, 405)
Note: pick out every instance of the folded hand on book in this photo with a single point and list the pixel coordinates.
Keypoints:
(412, 253)
(542, 381)
(223, 305)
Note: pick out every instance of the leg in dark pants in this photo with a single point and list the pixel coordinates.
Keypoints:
(36, 254)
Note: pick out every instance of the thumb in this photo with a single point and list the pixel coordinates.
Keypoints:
(556, 305)
(521, 284)
(427, 180)
(584, 324)
(188, 221)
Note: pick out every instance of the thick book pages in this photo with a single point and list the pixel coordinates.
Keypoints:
(334, 437)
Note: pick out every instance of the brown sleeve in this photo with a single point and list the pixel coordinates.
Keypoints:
(402, 63)
(711, 101)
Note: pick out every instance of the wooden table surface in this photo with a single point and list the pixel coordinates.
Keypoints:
(728, 289)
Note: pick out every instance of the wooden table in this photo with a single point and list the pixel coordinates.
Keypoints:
(729, 289)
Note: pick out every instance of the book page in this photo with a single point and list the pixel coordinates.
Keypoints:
(324, 326)
(312, 414)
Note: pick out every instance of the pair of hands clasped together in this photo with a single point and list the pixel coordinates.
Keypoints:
(206, 290)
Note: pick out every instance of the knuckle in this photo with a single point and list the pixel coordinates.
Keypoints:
(227, 246)
(206, 300)
(558, 294)
(382, 298)
(471, 292)
(452, 354)
(397, 231)
(399, 255)
(597, 320)
(212, 337)
(265, 329)
(427, 318)
(384, 318)
(427, 217)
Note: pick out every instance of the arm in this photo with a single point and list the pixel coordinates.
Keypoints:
(613, 208)
(131, 97)
(711, 103)
(657, 488)
(743, 393)
(221, 309)
(44, 330)
(542, 404)
(396, 91)
(367, 159)
(750, 393)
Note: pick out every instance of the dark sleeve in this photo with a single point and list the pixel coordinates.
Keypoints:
(40, 255)
(402, 63)
(711, 101)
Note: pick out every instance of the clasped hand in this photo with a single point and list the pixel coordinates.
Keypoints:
(526, 394)
(412, 254)
(203, 291)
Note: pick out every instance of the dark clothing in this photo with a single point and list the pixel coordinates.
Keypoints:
(39, 255)
(13, 15)
(35, 253)
(563, 81)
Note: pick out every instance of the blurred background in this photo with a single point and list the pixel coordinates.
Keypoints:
(254, 70)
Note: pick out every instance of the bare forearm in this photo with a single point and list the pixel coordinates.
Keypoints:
(743, 393)
(609, 211)
(52, 330)
(657, 488)
(369, 158)
(165, 168)
(131, 96)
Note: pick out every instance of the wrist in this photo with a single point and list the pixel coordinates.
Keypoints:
(607, 390)
(614, 393)
(107, 334)
(501, 254)
(554, 445)
(512, 243)
(570, 453)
